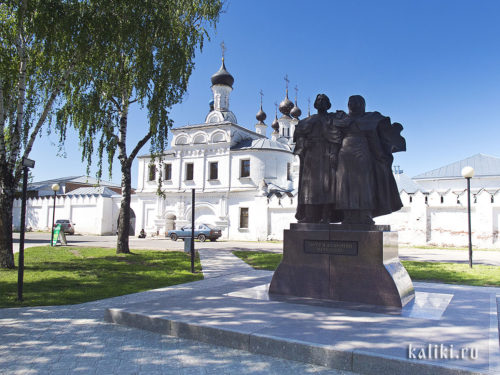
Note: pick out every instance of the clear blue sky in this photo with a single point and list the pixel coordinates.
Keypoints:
(432, 65)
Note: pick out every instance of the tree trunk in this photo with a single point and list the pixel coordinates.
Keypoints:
(124, 216)
(7, 189)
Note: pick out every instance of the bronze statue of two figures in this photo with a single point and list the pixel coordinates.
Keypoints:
(346, 164)
(345, 176)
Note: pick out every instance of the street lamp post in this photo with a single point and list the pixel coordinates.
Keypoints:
(468, 173)
(55, 189)
(26, 163)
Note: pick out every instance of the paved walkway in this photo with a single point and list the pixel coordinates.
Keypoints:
(74, 339)
(217, 263)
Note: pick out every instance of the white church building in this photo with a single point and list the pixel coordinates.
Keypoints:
(243, 180)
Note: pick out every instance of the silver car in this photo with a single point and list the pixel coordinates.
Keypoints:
(66, 226)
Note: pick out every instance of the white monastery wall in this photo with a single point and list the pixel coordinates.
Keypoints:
(91, 214)
(442, 219)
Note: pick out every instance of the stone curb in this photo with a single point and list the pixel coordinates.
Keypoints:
(357, 361)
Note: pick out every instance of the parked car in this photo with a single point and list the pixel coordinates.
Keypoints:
(201, 232)
(66, 226)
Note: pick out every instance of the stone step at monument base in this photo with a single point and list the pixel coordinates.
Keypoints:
(357, 361)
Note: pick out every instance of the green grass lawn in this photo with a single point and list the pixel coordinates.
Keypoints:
(450, 273)
(260, 260)
(454, 273)
(69, 275)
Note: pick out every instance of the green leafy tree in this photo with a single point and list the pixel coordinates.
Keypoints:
(40, 42)
(143, 52)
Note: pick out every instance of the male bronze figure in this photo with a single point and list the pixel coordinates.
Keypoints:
(317, 143)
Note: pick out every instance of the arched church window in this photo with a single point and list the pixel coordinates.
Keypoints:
(218, 137)
(181, 140)
(200, 138)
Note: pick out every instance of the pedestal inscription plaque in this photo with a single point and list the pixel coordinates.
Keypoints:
(331, 247)
(343, 263)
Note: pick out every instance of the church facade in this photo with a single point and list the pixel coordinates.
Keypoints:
(245, 183)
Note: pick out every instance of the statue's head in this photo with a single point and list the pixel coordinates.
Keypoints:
(322, 103)
(356, 105)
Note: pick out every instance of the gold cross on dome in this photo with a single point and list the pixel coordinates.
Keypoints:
(287, 81)
(261, 95)
(223, 48)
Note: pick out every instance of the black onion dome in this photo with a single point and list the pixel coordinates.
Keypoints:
(296, 112)
(222, 77)
(275, 125)
(261, 115)
(286, 106)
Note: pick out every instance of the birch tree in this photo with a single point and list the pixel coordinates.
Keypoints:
(38, 51)
(143, 53)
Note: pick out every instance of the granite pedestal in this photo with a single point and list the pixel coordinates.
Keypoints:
(343, 262)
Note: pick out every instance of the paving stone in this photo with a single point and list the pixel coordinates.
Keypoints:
(83, 370)
(58, 371)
